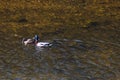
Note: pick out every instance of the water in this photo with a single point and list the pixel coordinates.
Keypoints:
(67, 59)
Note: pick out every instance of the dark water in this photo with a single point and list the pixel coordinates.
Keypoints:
(67, 59)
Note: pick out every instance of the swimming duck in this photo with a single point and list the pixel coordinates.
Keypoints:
(40, 44)
(36, 42)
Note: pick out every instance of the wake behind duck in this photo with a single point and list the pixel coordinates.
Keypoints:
(36, 42)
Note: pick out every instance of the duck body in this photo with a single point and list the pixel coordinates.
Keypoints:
(43, 44)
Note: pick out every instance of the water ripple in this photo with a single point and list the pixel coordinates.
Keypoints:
(87, 60)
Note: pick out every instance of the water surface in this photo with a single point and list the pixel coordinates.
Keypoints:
(87, 58)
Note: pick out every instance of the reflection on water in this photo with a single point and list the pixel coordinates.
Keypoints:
(65, 60)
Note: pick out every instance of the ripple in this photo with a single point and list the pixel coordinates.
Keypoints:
(65, 60)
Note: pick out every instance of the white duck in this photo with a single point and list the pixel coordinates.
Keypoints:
(35, 41)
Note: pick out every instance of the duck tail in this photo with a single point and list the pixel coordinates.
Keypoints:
(50, 44)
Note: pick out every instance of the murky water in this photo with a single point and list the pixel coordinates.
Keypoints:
(67, 59)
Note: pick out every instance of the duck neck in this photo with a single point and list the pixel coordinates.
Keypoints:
(35, 42)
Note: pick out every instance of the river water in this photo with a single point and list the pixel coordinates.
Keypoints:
(90, 58)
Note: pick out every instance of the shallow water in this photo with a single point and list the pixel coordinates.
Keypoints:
(67, 59)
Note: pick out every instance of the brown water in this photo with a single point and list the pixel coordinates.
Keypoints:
(88, 57)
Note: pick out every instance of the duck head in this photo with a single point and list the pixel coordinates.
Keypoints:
(36, 39)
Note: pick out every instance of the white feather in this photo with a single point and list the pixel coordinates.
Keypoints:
(43, 44)
(27, 41)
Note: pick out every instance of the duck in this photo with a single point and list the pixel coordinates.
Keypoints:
(35, 41)
(26, 41)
